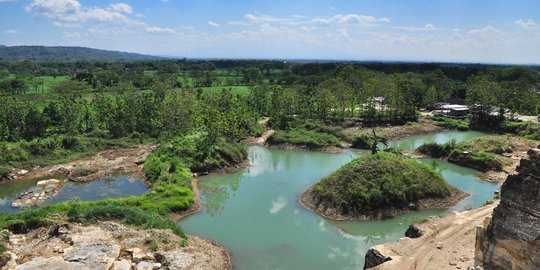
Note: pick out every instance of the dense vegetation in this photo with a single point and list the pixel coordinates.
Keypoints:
(377, 182)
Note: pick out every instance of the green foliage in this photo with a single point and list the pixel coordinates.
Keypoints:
(451, 123)
(436, 150)
(2, 248)
(526, 129)
(4, 171)
(302, 137)
(374, 182)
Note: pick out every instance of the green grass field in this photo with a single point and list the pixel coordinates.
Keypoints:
(241, 90)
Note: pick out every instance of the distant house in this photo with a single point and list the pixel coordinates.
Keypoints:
(454, 110)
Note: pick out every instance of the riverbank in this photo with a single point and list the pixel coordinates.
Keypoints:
(447, 243)
(110, 245)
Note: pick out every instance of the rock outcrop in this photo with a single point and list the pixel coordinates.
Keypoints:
(43, 191)
(511, 238)
(109, 245)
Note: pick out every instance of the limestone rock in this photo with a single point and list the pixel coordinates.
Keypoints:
(145, 265)
(175, 259)
(52, 263)
(122, 265)
(375, 258)
(93, 256)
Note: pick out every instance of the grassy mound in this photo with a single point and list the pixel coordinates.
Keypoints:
(378, 186)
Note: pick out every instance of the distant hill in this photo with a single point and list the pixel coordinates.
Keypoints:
(58, 53)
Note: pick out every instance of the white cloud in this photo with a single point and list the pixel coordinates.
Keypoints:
(121, 7)
(487, 32)
(529, 24)
(427, 27)
(356, 19)
(11, 31)
(159, 30)
(277, 205)
(70, 12)
(214, 24)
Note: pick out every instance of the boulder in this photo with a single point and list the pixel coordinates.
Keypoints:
(93, 256)
(413, 231)
(375, 258)
(122, 265)
(175, 259)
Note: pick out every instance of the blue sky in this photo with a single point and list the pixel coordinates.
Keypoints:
(492, 31)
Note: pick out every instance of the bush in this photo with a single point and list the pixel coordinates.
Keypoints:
(5, 171)
(450, 123)
(12, 152)
(306, 138)
(43, 146)
(436, 150)
(526, 129)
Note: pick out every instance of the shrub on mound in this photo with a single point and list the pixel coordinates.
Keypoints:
(376, 182)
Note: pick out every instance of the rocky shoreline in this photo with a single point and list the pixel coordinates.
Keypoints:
(308, 201)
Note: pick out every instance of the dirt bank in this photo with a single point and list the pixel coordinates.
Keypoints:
(128, 160)
(448, 243)
(308, 201)
(395, 132)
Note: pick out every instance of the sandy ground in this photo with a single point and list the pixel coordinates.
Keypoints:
(448, 243)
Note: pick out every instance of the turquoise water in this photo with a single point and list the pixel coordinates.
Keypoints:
(103, 188)
(256, 215)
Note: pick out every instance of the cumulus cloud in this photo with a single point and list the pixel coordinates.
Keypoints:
(121, 7)
(11, 31)
(159, 30)
(214, 24)
(529, 24)
(277, 205)
(363, 20)
(487, 32)
(71, 12)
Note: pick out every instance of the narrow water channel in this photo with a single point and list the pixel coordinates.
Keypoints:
(103, 188)
(256, 215)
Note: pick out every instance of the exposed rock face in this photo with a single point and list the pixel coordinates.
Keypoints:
(375, 258)
(511, 239)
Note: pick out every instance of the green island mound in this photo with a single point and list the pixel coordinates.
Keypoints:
(379, 186)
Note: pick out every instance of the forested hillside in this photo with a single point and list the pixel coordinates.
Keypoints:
(44, 53)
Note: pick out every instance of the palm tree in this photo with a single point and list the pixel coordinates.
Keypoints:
(375, 142)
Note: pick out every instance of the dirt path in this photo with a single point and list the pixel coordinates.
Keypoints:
(448, 243)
